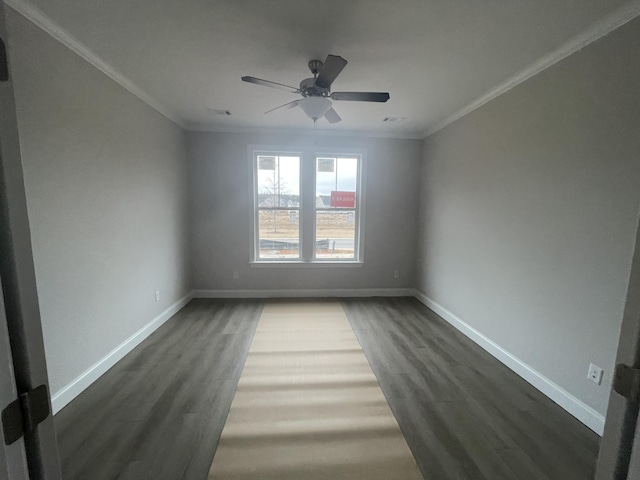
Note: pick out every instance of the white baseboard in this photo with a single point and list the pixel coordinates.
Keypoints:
(583, 412)
(576, 407)
(311, 293)
(62, 397)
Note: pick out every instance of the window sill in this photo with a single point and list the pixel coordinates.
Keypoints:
(300, 264)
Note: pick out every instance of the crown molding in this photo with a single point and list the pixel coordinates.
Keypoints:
(607, 24)
(41, 20)
(195, 127)
(599, 29)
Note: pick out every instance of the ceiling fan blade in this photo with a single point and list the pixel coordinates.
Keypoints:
(331, 68)
(267, 83)
(361, 96)
(286, 106)
(332, 116)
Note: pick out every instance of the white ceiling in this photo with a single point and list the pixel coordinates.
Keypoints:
(434, 57)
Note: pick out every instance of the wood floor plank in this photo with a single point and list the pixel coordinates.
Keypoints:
(159, 413)
(309, 406)
(464, 414)
(177, 385)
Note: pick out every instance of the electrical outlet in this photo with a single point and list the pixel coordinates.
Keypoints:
(396, 274)
(157, 295)
(595, 374)
(236, 275)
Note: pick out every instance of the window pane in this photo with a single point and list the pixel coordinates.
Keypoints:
(278, 181)
(335, 234)
(278, 186)
(336, 180)
(279, 234)
(347, 174)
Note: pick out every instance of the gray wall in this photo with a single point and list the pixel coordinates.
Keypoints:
(525, 228)
(105, 178)
(221, 214)
(529, 212)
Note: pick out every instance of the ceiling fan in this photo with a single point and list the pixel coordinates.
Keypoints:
(316, 92)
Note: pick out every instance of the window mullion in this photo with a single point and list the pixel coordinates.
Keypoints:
(307, 221)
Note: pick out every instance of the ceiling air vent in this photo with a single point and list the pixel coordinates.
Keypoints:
(217, 111)
(394, 119)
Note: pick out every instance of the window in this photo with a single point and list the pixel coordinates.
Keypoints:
(336, 188)
(307, 207)
(278, 206)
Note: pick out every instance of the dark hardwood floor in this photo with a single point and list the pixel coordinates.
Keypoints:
(158, 413)
(464, 414)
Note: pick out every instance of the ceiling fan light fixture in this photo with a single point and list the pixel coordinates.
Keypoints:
(315, 107)
(317, 99)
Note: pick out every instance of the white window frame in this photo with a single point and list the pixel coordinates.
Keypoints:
(357, 218)
(307, 215)
(256, 210)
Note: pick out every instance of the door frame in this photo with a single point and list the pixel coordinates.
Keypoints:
(18, 279)
(13, 458)
(622, 416)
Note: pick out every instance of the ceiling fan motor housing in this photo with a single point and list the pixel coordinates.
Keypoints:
(308, 88)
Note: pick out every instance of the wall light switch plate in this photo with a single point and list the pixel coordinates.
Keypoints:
(157, 295)
(595, 374)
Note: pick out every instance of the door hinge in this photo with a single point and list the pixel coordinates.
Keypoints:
(626, 382)
(4, 64)
(25, 413)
